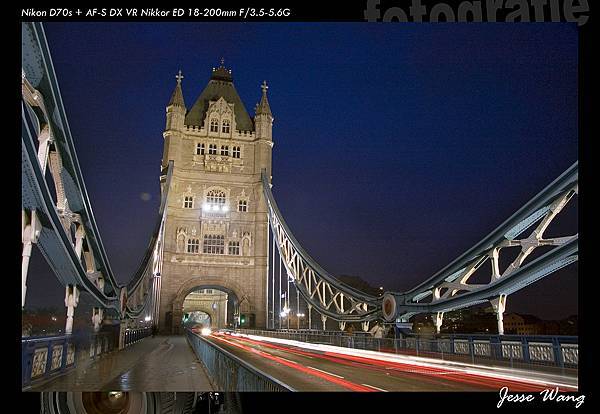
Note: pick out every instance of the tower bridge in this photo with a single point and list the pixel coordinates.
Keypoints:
(221, 246)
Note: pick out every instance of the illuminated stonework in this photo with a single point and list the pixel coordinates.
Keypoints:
(216, 226)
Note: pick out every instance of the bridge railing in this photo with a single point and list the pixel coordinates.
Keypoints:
(552, 354)
(131, 336)
(229, 372)
(44, 357)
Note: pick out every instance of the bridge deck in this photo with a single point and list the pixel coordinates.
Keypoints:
(162, 363)
(307, 369)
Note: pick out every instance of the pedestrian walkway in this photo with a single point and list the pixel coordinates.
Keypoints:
(162, 363)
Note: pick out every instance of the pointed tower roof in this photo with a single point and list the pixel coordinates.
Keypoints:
(220, 85)
(263, 107)
(177, 97)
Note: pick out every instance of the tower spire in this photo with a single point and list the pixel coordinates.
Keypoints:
(263, 107)
(177, 96)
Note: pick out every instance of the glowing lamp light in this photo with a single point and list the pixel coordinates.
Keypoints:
(282, 314)
(225, 208)
(215, 207)
(147, 318)
(205, 206)
(205, 332)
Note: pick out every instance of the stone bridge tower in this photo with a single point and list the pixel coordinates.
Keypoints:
(216, 226)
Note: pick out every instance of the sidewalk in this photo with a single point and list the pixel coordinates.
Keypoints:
(162, 363)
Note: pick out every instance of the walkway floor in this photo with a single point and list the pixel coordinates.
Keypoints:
(162, 363)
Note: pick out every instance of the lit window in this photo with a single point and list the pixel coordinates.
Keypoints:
(214, 125)
(213, 244)
(225, 150)
(225, 126)
(200, 149)
(242, 205)
(208, 291)
(212, 149)
(234, 248)
(236, 152)
(193, 245)
(215, 197)
(188, 202)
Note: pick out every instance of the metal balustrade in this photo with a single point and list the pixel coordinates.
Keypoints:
(558, 354)
(131, 336)
(230, 373)
(45, 357)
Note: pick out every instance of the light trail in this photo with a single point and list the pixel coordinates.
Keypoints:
(339, 381)
(424, 366)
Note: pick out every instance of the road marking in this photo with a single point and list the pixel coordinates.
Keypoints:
(325, 372)
(288, 360)
(375, 388)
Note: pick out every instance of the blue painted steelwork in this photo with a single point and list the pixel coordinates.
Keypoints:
(452, 279)
(42, 107)
(320, 289)
(45, 357)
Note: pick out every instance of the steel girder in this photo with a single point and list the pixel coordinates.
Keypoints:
(448, 289)
(69, 238)
(142, 290)
(321, 290)
(40, 78)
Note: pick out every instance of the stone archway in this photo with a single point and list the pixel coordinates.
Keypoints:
(201, 282)
(209, 313)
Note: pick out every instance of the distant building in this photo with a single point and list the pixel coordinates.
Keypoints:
(522, 324)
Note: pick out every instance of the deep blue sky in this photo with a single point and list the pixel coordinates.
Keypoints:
(397, 147)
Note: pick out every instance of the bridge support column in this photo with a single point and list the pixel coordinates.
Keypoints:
(309, 316)
(499, 305)
(437, 321)
(324, 320)
(30, 232)
(71, 301)
(97, 316)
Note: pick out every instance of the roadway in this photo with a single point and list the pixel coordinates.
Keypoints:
(305, 368)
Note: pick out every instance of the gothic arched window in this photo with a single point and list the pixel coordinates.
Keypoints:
(214, 125)
(234, 248)
(213, 244)
(226, 125)
(212, 149)
(216, 197)
(225, 150)
(193, 245)
(200, 148)
(236, 152)
(188, 202)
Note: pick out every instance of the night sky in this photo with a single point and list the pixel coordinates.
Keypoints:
(397, 146)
